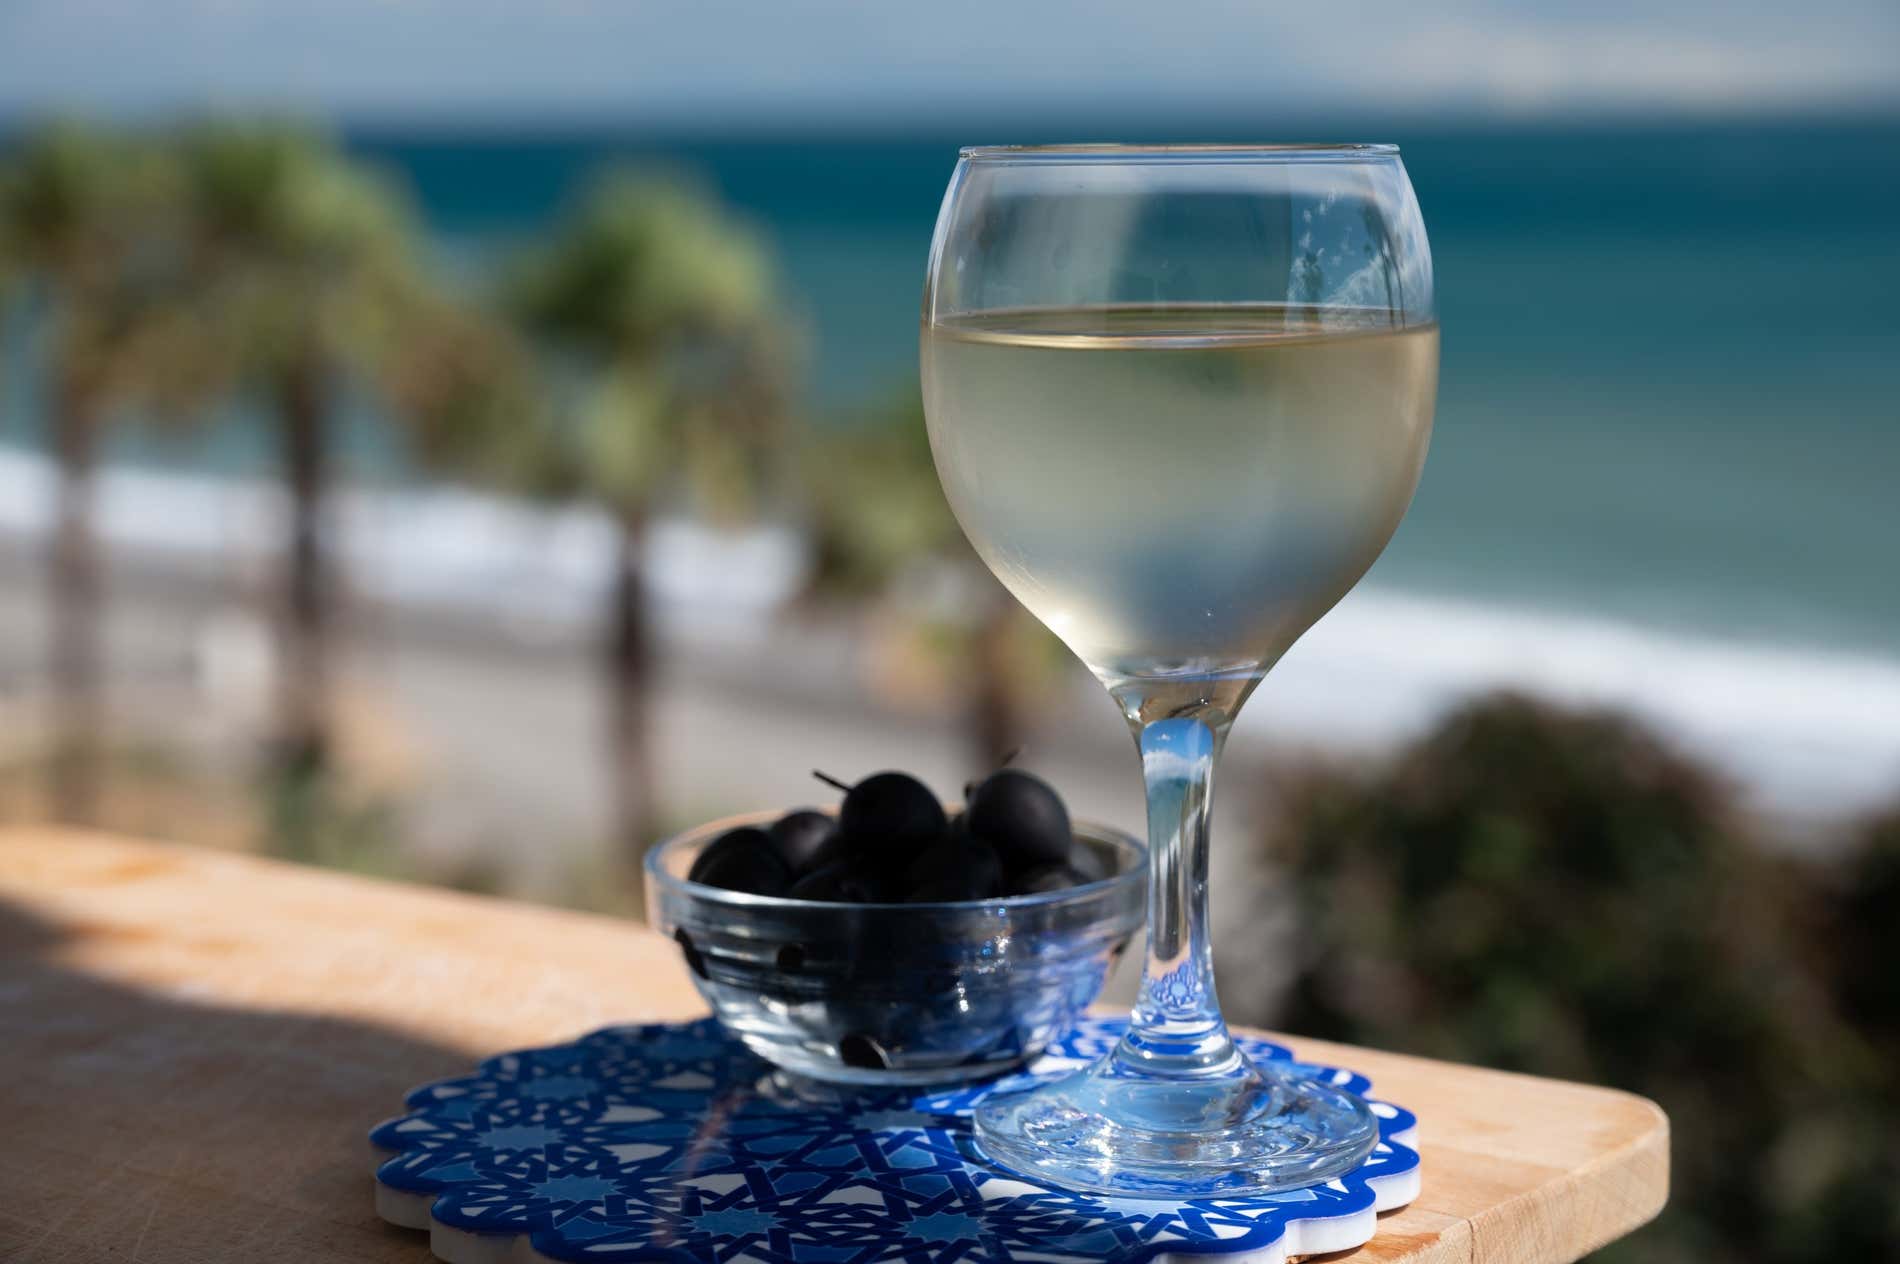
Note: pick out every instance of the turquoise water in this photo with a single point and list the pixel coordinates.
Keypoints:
(1670, 353)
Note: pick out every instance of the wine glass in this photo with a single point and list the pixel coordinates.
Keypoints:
(1179, 397)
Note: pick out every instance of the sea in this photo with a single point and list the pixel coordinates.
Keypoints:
(1666, 468)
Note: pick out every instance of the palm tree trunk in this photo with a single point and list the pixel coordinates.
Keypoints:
(996, 707)
(629, 653)
(74, 576)
(303, 737)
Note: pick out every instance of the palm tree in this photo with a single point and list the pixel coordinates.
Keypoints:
(305, 263)
(466, 393)
(657, 310)
(84, 231)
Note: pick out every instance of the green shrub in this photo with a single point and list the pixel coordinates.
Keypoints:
(1559, 892)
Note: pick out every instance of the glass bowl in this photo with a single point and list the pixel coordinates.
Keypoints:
(897, 993)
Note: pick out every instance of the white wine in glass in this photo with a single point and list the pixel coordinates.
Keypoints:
(1179, 398)
(1179, 491)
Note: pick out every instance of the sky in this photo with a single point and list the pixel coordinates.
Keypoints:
(904, 61)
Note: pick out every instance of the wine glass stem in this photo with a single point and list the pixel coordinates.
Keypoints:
(1176, 1029)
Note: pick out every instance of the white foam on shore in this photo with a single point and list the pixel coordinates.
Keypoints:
(540, 568)
(1805, 730)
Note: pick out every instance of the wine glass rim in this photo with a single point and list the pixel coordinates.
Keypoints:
(1279, 151)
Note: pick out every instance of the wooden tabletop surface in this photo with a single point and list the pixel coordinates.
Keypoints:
(194, 1043)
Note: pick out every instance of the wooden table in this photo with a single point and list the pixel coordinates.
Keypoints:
(193, 1043)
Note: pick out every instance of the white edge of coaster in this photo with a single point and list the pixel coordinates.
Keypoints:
(459, 1246)
(404, 1209)
(400, 1207)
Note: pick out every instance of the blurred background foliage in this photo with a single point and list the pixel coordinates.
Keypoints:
(640, 359)
(1558, 892)
(657, 314)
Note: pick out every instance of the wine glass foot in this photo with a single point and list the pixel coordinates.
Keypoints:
(1259, 1130)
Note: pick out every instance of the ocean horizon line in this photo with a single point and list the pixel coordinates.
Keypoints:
(1039, 126)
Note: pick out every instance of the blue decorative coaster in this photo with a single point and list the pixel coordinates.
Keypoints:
(677, 1143)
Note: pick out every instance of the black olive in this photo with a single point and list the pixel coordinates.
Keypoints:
(1046, 878)
(688, 949)
(955, 869)
(1023, 818)
(743, 859)
(888, 818)
(801, 836)
(841, 884)
(862, 1052)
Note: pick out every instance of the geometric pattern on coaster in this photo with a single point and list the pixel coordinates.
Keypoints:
(673, 1142)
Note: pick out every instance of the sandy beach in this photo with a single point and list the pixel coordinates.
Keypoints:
(470, 623)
